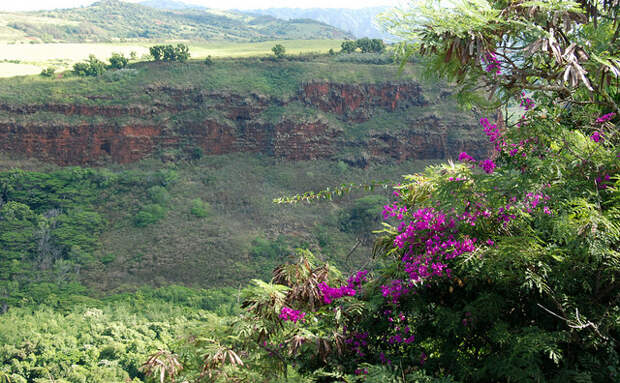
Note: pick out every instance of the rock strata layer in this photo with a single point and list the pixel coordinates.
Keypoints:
(95, 135)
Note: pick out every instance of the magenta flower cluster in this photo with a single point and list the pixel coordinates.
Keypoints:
(356, 280)
(332, 293)
(464, 157)
(492, 63)
(605, 117)
(526, 102)
(394, 211)
(353, 283)
(429, 240)
(288, 314)
(395, 290)
(533, 200)
(601, 181)
(487, 165)
(596, 136)
(358, 342)
(491, 130)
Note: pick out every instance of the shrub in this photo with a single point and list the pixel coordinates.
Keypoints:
(348, 46)
(276, 249)
(118, 61)
(48, 72)
(208, 61)
(279, 51)
(366, 58)
(363, 215)
(200, 208)
(159, 195)
(93, 67)
(149, 215)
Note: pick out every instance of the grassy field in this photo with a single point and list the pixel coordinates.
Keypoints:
(26, 59)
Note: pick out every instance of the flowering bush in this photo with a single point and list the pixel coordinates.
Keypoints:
(493, 270)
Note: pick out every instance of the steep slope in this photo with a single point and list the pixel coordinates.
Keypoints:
(113, 20)
(295, 116)
(190, 156)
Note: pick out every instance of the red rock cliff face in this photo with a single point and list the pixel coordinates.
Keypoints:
(240, 127)
(354, 102)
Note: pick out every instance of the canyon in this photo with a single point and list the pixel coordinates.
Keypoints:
(223, 122)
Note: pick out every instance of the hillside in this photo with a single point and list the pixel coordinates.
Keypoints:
(113, 20)
(235, 134)
(360, 22)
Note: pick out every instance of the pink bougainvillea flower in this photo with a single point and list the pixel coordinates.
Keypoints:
(605, 117)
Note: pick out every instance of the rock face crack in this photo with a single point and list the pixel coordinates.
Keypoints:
(225, 122)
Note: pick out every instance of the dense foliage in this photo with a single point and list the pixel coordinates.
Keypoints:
(494, 269)
(90, 340)
(365, 45)
(169, 52)
(278, 51)
(93, 67)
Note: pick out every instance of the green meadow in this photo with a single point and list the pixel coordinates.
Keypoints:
(19, 59)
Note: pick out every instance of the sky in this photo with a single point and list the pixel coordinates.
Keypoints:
(30, 5)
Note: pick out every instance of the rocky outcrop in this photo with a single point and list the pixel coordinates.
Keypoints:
(133, 132)
(355, 101)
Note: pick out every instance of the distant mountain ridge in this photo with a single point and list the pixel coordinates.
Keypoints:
(359, 22)
(170, 4)
(113, 20)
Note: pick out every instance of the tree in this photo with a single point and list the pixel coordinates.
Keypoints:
(377, 46)
(157, 52)
(364, 44)
(348, 46)
(48, 72)
(182, 53)
(279, 51)
(118, 61)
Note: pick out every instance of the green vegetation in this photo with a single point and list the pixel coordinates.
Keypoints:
(501, 268)
(365, 45)
(32, 58)
(105, 341)
(278, 51)
(200, 208)
(48, 72)
(93, 67)
(112, 20)
(244, 75)
(118, 61)
(105, 229)
(179, 53)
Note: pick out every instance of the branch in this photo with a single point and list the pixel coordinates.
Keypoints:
(578, 324)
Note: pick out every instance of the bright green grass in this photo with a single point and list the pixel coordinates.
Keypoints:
(33, 58)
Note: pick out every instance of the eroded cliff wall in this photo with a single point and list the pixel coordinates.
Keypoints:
(356, 123)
